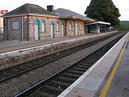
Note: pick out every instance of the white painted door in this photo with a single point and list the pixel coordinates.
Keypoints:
(62, 30)
(52, 31)
(36, 32)
(76, 30)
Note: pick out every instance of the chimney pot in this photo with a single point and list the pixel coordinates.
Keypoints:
(50, 8)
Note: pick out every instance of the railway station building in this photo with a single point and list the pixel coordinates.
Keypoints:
(32, 22)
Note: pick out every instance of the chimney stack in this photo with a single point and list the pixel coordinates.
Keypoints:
(50, 8)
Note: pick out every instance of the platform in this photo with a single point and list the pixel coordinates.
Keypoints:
(120, 84)
(96, 81)
(7, 46)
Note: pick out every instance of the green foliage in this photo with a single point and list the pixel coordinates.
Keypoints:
(103, 10)
(124, 22)
(123, 27)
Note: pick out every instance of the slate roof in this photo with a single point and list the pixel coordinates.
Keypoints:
(67, 13)
(29, 8)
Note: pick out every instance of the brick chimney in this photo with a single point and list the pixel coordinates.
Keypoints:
(50, 8)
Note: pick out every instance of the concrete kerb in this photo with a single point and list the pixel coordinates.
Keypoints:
(74, 89)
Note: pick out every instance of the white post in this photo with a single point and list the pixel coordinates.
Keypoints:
(22, 29)
(52, 31)
(62, 30)
(76, 29)
(98, 29)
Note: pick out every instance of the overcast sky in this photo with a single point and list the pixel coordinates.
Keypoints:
(78, 6)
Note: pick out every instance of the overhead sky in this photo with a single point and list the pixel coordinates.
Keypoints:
(78, 6)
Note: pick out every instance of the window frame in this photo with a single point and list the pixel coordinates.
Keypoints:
(70, 26)
(57, 26)
(16, 27)
(43, 23)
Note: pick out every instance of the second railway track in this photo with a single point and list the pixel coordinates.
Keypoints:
(57, 83)
(11, 72)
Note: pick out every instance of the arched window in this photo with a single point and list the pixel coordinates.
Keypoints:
(62, 29)
(70, 26)
(52, 29)
(43, 26)
(57, 26)
(36, 30)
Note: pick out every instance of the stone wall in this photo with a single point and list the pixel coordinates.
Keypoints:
(16, 34)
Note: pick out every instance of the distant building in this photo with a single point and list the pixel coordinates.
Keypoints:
(98, 27)
(1, 24)
(32, 22)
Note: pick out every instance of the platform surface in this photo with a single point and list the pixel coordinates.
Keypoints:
(120, 83)
(91, 83)
(6, 46)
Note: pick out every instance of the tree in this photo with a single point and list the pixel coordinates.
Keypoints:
(103, 10)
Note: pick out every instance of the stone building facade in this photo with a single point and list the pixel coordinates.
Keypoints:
(32, 22)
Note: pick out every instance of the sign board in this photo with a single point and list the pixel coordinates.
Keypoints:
(4, 11)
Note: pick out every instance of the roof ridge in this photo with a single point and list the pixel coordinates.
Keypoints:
(27, 7)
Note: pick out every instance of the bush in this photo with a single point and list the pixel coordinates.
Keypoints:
(123, 27)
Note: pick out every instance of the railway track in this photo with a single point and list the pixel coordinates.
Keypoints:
(17, 70)
(57, 83)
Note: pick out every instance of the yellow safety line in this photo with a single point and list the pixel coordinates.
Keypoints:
(107, 85)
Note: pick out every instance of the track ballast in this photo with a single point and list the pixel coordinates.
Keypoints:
(57, 83)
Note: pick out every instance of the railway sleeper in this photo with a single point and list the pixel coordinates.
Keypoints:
(83, 66)
(42, 94)
(79, 69)
(73, 76)
(64, 85)
(75, 72)
(57, 85)
(51, 89)
(65, 80)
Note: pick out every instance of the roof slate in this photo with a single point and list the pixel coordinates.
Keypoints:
(29, 8)
(67, 13)
(36, 9)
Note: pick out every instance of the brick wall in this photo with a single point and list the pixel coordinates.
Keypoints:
(73, 31)
(1, 22)
(29, 27)
(47, 32)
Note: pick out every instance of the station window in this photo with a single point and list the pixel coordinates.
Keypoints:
(43, 26)
(15, 25)
(80, 26)
(57, 26)
(70, 26)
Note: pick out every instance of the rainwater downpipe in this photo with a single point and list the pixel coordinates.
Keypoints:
(22, 29)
